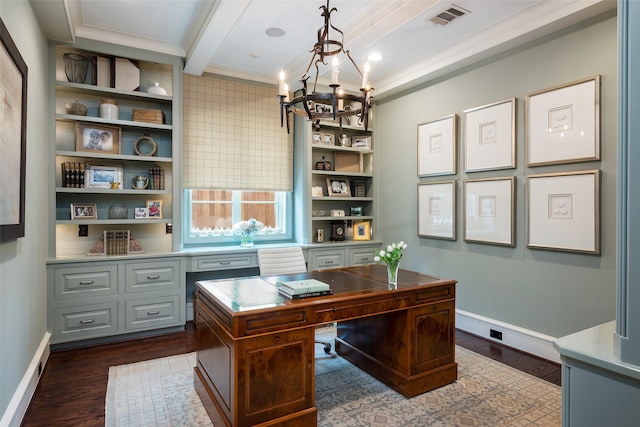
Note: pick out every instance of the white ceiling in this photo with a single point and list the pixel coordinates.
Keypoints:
(228, 36)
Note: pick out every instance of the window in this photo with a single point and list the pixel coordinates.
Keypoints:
(211, 214)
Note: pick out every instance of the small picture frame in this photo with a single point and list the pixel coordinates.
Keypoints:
(338, 187)
(437, 146)
(100, 138)
(102, 176)
(316, 191)
(316, 137)
(84, 211)
(356, 210)
(141, 213)
(323, 108)
(362, 142)
(563, 123)
(155, 209)
(361, 230)
(328, 139)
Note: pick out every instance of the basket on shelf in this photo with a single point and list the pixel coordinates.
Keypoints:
(148, 116)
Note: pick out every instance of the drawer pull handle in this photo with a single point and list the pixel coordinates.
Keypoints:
(156, 277)
(153, 313)
(366, 258)
(87, 321)
(225, 262)
(329, 262)
(86, 282)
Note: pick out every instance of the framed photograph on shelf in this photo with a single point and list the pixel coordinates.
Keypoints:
(101, 176)
(437, 146)
(489, 211)
(490, 136)
(13, 138)
(155, 209)
(564, 211)
(361, 230)
(338, 187)
(563, 123)
(328, 139)
(437, 210)
(141, 213)
(94, 137)
(84, 211)
(362, 142)
(316, 138)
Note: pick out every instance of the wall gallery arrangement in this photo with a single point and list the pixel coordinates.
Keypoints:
(563, 208)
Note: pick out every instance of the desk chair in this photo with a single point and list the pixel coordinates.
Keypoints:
(281, 261)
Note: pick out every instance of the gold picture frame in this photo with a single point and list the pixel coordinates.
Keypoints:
(98, 138)
(361, 230)
(155, 209)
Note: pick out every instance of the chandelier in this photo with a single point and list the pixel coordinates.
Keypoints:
(333, 105)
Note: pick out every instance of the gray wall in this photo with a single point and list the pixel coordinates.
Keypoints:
(22, 262)
(554, 293)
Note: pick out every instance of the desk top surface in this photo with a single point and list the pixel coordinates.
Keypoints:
(256, 293)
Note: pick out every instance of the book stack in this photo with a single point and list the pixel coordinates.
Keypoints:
(116, 242)
(156, 178)
(298, 289)
(73, 174)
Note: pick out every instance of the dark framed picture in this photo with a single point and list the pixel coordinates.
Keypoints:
(338, 187)
(92, 137)
(13, 138)
(155, 209)
(84, 211)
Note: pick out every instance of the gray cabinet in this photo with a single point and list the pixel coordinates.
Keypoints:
(99, 299)
(322, 257)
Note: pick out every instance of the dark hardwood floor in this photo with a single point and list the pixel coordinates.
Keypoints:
(73, 385)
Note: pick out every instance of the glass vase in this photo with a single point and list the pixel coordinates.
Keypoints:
(246, 241)
(392, 274)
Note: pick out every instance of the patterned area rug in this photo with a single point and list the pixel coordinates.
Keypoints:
(160, 393)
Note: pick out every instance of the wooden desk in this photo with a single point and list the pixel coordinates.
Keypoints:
(255, 362)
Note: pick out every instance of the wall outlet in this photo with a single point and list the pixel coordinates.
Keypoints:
(169, 228)
(83, 230)
(495, 334)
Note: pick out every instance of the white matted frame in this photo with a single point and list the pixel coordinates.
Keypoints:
(101, 176)
(489, 211)
(564, 211)
(563, 123)
(490, 136)
(437, 146)
(437, 210)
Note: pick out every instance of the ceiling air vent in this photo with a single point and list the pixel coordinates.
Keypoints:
(451, 14)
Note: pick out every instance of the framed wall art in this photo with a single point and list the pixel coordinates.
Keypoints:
(490, 136)
(13, 138)
(84, 211)
(437, 210)
(338, 187)
(361, 230)
(437, 146)
(564, 211)
(93, 137)
(489, 211)
(563, 123)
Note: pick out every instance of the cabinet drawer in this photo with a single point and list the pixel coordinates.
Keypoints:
(321, 260)
(362, 256)
(152, 313)
(152, 276)
(81, 282)
(224, 262)
(85, 321)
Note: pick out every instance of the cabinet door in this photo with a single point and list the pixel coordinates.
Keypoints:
(321, 259)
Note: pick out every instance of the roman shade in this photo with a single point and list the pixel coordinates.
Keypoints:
(232, 137)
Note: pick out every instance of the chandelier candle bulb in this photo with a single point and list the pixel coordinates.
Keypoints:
(335, 71)
(286, 92)
(282, 85)
(340, 101)
(365, 75)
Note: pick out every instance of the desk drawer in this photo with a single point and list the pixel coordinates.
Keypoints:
(86, 321)
(152, 312)
(362, 256)
(153, 276)
(324, 259)
(224, 262)
(82, 282)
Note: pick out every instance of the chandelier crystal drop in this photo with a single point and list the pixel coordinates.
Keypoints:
(333, 105)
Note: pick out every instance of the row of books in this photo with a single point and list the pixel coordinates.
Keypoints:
(156, 178)
(307, 288)
(116, 242)
(73, 174)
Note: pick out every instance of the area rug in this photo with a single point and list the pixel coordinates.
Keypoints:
(487, 393)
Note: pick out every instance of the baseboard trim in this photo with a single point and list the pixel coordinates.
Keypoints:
(19, 403)
(189, 311)
(513, 336)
